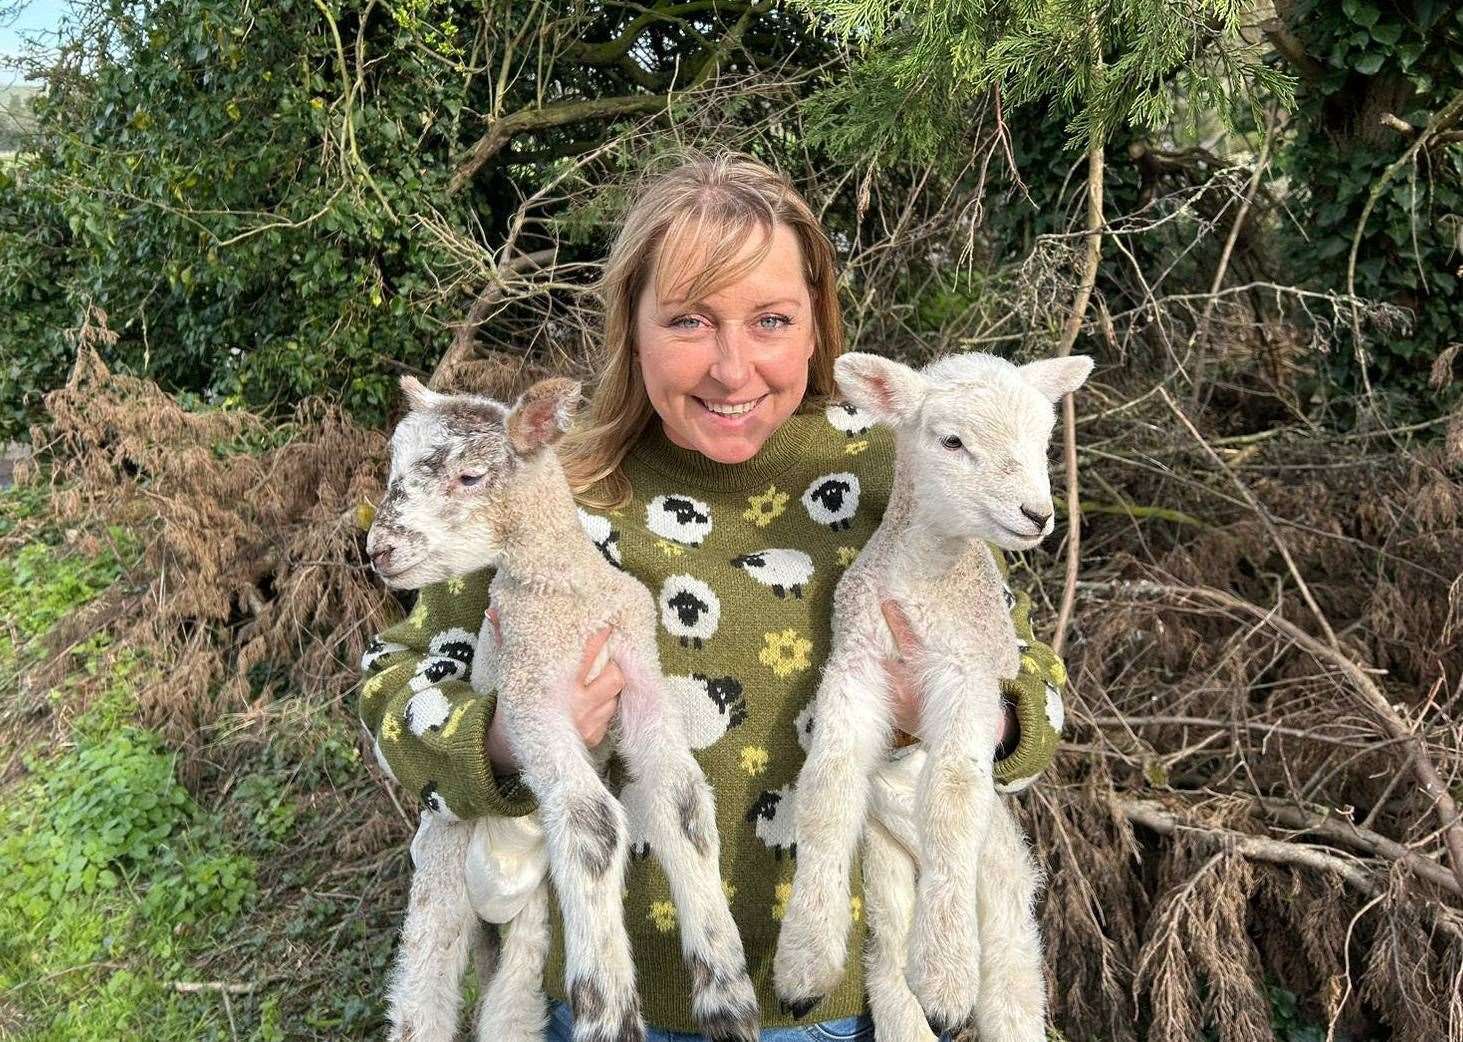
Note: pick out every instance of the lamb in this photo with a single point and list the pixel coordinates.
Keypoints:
(475, 484)
(970, 467)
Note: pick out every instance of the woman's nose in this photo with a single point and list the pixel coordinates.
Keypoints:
(730, 368)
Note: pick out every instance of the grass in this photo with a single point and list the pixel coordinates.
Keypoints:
(127, 898)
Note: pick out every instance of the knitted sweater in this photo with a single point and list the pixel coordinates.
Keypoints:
(742, 560)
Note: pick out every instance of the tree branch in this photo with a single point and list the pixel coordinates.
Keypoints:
(1289, 47)
(1069, 414)
(464, 334)
(1368, 694)
(501, 131)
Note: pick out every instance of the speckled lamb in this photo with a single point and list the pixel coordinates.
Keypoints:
(475, 484)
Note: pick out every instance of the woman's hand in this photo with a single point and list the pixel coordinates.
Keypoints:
(592, 704)
(903, 690)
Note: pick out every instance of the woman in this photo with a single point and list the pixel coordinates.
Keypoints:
(711, 465)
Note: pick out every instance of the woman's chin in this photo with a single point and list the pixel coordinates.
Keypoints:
(724, 449)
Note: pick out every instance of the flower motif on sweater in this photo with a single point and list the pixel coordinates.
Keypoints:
(785, 653)
(763, 509)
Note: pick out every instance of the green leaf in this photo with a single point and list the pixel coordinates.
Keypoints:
(1369, 64)
(1387, 32)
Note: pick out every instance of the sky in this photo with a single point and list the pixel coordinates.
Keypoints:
(35, 16)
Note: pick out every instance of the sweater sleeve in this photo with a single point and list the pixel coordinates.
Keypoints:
(428, 725)
(1036, 693)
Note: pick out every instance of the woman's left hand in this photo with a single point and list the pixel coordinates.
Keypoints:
(903, 688)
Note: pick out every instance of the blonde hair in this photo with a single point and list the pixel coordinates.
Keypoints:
(708, 201)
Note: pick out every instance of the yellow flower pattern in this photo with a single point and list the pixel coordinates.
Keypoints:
(391, 728)
(764, 509)
(853, 448)
(785, 653)
(1058, 672)
(669, 548)
(754, 759)
(418, 616)
(455, 587)
(728, 889)
(780, 898)
(856, 906)
(663, 914)
(847, 555)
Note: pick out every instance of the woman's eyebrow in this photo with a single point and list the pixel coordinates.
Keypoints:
(681, 304)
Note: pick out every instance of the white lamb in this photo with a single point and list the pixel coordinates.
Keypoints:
(971, 433)
(475, 484)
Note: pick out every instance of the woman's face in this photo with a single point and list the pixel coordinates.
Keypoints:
(724, 373)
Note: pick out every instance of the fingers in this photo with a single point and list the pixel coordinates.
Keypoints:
(601, 701)
(592, 649)
(606, 686)
(905, 642)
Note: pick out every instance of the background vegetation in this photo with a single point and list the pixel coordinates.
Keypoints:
(232, 226)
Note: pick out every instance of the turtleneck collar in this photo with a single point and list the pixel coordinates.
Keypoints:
(788, 444)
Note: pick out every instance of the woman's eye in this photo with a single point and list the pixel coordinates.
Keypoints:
(469, 480)
(952, 442)
(685, 322)
(774, 321)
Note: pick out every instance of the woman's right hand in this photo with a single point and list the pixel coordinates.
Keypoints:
(592, 703)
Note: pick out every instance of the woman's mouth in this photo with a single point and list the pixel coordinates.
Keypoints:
(729, 414)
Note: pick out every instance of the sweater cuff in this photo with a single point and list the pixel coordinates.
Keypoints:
(1037, 741)
(484, 791)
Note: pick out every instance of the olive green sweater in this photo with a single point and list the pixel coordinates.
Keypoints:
(742, 560)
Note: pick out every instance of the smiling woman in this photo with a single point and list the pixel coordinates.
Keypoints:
(726, 369)
(714, 465)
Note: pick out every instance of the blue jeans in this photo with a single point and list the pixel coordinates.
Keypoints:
(849, 1029)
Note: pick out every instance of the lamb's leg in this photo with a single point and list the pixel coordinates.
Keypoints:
(959, 714)
(850, 732)
(889, 881)
(486, 947)
(584, 830)
(680, 824)
(1012, 1006)
(426, 983)
(513, 1007)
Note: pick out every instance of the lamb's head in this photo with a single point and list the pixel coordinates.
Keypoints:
(974, 430)
(453, 460)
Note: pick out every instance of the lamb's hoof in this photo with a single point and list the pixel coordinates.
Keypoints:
(799, 1008)
(724, 1002)
(954, 1032)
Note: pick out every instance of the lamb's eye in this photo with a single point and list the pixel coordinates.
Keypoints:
(468, 480)
(952, 442)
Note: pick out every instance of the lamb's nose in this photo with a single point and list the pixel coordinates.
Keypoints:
(1036, 518)
(381, 559)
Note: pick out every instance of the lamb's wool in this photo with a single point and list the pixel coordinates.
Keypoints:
(817, 489)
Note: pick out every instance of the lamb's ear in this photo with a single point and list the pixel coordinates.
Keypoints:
(888, 390)
(542, 413)
(418, 396)
(1055, 377)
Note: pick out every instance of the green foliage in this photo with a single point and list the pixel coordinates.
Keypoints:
(105, 861)
(1406, 59)
(923, 67)
(41, 583)
(187, 190)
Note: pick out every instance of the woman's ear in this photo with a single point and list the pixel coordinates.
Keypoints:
(888, 390)
(542, 414)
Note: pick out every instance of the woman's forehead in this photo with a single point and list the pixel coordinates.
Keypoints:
(698, 259)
